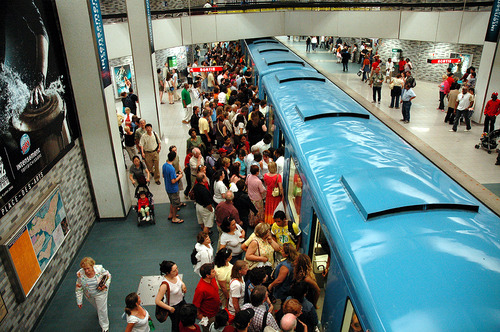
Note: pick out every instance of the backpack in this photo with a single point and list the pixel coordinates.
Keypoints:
(293, 236)
(194, 260)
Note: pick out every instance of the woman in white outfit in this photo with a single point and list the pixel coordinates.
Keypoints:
(204, 251)
(137, 317)
(93, 282)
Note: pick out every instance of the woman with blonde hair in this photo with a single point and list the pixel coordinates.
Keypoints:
(302, 271)
(93, 282)
(260, 248)
(274, 194)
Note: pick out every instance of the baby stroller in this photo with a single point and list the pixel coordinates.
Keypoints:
(489, 141)
(143, 189)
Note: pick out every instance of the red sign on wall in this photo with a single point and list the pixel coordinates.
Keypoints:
(444, 60)
(205, 69)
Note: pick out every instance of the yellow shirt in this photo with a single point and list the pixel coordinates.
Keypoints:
(282, 234)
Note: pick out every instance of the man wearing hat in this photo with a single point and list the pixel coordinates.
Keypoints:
(491, 110)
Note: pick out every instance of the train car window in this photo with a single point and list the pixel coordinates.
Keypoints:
(294, 191)
(351, 322)
(270, 125)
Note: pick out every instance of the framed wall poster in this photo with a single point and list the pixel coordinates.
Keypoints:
(463, 65)
(38, 121)
(122, 78)
(30, 249)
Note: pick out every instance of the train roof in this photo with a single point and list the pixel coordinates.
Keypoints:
(418, 251)
(270, 56)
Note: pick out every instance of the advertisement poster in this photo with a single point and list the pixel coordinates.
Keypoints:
(31, 248)
(122, 79)
(38, 122)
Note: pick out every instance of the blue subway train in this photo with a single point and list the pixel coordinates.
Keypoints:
(402, 246)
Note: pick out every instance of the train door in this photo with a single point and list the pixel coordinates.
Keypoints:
(319, 251)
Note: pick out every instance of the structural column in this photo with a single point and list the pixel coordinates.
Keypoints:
(143, 56)
(96, 109)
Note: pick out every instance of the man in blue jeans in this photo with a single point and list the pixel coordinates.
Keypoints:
(464, 102)
(406, 98)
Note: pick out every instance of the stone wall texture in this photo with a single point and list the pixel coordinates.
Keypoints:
(70, 174)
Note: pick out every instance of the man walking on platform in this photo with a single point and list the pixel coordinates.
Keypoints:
(150, 145)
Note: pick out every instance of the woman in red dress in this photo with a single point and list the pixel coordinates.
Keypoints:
(272, 181)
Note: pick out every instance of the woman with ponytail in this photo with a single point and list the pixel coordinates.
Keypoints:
(137, 317)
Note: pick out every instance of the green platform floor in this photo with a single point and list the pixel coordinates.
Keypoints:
(128, 252)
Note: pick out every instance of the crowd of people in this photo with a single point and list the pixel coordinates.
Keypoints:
(248, 280)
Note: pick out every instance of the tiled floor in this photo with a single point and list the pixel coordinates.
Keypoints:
(427, 123)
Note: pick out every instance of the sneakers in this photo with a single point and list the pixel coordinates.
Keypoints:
(466, 130)
(148, 218)
(378, 102)
(452, 130)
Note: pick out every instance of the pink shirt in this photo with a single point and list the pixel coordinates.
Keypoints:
(255, 187)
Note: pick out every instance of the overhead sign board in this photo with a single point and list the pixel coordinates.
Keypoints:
(444, 60)
(205, 69)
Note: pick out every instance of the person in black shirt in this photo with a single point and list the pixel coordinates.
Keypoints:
(129, 100)
(243, 204)
(205, 211)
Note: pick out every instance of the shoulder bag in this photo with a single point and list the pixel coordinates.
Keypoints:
(162, 313)
(276, 191)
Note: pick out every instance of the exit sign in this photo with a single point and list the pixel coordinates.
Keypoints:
(444, 60)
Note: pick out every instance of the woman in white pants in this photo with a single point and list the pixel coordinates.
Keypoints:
(93, 282)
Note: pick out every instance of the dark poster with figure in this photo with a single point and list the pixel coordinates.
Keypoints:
(38, 122)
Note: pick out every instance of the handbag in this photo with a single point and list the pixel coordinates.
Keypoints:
(360, 72)
(160, 312)
(276, 190)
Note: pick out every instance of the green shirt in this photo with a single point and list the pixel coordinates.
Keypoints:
(186, 97)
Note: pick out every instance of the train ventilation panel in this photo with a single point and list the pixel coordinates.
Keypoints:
(391, 190)
(280, 62)
(284, 50)
(299, 75)
(265, 41)
(313, 112)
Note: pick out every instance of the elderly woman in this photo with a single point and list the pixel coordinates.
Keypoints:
(138, 172)
(232, 237)
(260, 247)
(176, 289)
(256, 193)
(93, 282)
(204, 251)
(274, 192)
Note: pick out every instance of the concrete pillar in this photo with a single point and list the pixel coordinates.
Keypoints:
(144, 62)
(96, 110)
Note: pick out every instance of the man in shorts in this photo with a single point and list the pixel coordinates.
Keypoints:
(172, 187)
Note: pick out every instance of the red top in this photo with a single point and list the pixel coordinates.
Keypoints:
(492, 107)
(375, 64)
(186, 160)
(401, 65)
(206, 298)
(142, 203)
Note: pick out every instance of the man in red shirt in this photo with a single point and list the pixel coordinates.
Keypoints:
(206, 296)
(491, 110)
(401, 65)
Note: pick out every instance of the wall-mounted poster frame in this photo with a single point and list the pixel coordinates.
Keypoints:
(122, 79)
(463, 65)
(29, 250)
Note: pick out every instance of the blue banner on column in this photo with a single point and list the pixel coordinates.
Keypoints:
(150, 27)
(494, 24)
(101, 42)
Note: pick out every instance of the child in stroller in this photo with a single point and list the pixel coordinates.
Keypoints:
(145, 205)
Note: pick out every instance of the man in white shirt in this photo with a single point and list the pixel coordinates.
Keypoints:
(265, 143)
(279, 155)
(464, 102)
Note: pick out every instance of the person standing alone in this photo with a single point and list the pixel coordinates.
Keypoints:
(376, 82)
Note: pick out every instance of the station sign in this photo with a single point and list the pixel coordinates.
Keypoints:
(444, 60)
(395, 50)
(205, 69)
